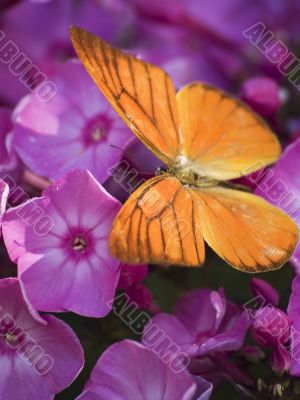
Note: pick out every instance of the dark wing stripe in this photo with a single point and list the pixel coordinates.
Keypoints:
(148, 237)
(138, 130)
(130, 241)
(138, 244)
(112, 73)
(109, 75)
(154, 126)
(148, 74)
(194, 230)
(162, 232)
(178, 232)
(116, 66)
(93, 51)
(232, 112)
(147, 188)
(170, 203)
(133, 79)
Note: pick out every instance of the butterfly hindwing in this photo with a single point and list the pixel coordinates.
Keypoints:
(166, 222)
(243, 229)
(159, 223)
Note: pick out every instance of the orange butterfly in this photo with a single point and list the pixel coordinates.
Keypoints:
(205, 137)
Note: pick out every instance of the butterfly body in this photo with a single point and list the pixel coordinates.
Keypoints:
(206, 138)
(188, 177)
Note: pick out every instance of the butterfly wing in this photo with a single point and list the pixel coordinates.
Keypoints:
(159, 224)
(163, 220)
(166, 222)
(245, 230)
(222, 138)
(141, 93)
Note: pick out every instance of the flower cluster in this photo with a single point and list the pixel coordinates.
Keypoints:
(68, 162)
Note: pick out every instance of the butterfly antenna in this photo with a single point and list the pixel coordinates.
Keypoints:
(116, 147)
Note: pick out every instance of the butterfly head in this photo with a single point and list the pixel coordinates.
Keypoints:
(161, 171)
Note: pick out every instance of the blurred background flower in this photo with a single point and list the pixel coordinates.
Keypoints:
(77, 128)
(41, 141)
(130, 370)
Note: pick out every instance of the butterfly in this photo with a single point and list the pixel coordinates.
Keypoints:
(205, 137)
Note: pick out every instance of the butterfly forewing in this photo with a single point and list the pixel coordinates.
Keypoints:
(222, 138)
(141, 93)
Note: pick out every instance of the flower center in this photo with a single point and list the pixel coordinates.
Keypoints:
(96, 129)
(11, 339)
(13, 335)
(98, 134)
(79, 244)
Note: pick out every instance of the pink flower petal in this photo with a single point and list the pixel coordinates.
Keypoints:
(82, 280)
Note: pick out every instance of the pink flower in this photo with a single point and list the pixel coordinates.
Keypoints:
(60, 244)
(266, 293)
(132, 275)
(77, 128)
(281, 187)
(26, 21)
(263, 95)
(142, 296)
(128, 370)
(183, 61)
(131, 281)
(137, 165)
(40, 356)
(204, 322)
(280, 360)
(4, 190)
(8, 159)
(293, 313)
(271, 327)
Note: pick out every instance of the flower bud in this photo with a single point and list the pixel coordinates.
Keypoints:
(263, 289)
(132, 275)
(141, 295)
(262, 94)
(253, 353)
(280, 360)
(271, 327)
